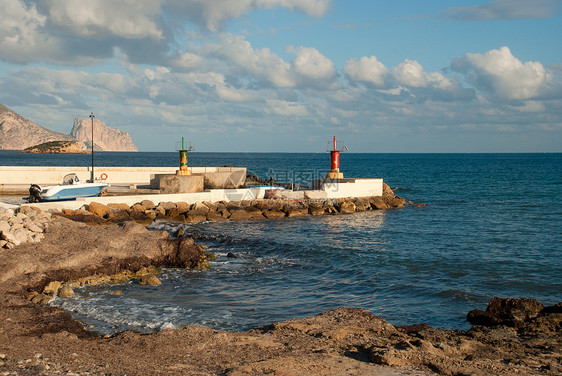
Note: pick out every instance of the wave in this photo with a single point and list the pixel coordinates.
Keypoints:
(460, 295)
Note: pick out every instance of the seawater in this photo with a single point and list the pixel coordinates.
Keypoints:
(492, 227)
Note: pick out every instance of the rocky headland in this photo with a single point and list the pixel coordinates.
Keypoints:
(107, 139)
(19, 133)
(512, 336)
(57, 147)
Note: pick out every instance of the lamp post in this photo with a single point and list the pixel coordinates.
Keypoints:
(92, 116)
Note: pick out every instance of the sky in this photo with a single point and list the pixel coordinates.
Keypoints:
(432, 76)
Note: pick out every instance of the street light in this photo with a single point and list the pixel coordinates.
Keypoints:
(92, 116)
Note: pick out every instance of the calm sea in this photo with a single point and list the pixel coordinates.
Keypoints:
(492, 227)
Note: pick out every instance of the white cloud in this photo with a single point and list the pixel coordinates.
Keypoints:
(505, 10)
(410, 73)
(423, 85)
(310, 64)
(502, 74)
(367, 70)
(211, 13)
(77, 32)
(261, 64)
(285, 108)
(309, 68)
(186, 60)
(234, 95)
(125, 18)
(21, 35)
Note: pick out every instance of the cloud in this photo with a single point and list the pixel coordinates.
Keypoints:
(314, 67)
(186, 60)
(262, 64)
(433, 85)
(128, 19)
(212, 13)
(155, 104)
(21, 36)
(232, 94)
(505, 10)
(410, 73)
(499, 73)
(406, 81)
(309, 68)
(367, 70)
(285, 108)
(78, 33)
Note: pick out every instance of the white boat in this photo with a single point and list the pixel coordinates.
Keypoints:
(70, 189)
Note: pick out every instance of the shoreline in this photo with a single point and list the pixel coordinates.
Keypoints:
(47, 340)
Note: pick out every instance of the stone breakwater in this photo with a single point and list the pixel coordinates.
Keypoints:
(146, 211)
(21, 226)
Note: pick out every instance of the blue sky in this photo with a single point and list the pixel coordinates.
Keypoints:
(286, 75)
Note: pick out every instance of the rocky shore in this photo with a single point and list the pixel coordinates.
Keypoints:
(512, 336)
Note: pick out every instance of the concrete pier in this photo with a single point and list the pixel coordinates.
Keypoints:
(17, 179)
(197, 187)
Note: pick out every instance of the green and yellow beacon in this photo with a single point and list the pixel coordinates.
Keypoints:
(184, 171)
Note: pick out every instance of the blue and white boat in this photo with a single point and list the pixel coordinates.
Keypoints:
(70, 189)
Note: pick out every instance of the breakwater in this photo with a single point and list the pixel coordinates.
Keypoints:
(146, 211)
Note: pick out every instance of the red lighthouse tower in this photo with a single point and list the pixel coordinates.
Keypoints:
(335, 148)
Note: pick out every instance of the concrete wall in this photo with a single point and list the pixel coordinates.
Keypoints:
(15, 179)
(179, 183)
(214, 195)
(350, 187)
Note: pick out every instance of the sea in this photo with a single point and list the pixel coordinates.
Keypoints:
(492, 226)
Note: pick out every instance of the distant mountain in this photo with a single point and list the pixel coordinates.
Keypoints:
(105, 138)
(18, 133)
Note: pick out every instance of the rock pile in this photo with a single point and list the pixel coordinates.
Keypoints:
(146, 211)
(517, 313)
(22, 225)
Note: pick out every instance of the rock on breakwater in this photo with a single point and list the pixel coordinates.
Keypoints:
(146, 211)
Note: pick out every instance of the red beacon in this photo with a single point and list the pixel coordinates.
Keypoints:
(335, 148)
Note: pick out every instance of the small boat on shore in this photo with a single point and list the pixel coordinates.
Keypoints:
(70, 189)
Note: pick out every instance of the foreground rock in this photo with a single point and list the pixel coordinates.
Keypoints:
(21, 226)
(36, 339)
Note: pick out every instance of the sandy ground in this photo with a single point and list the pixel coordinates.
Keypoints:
(36, 339)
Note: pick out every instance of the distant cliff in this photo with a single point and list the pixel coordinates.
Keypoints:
(18, 133)
(105, 138)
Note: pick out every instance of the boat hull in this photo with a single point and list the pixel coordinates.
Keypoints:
(71, 192)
